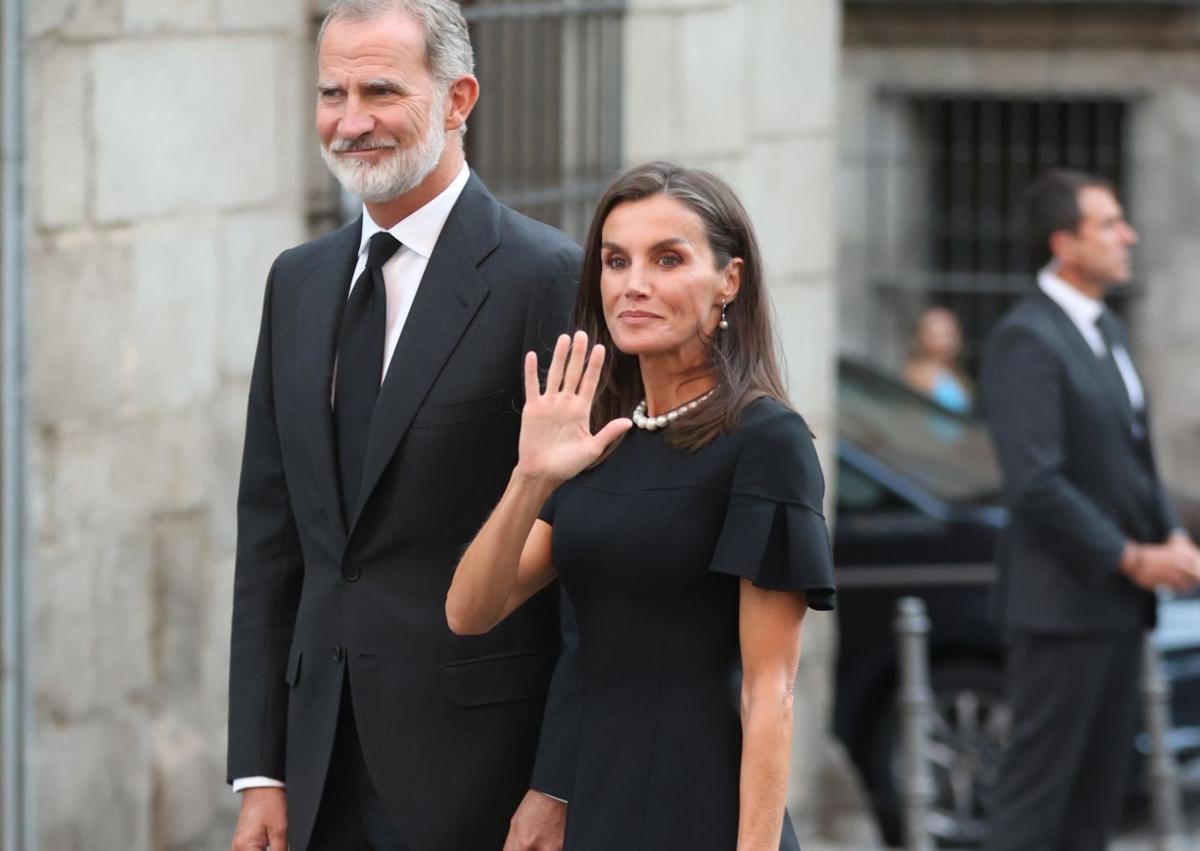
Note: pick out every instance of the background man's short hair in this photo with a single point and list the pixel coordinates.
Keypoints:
(448, 49)
(1052, 204)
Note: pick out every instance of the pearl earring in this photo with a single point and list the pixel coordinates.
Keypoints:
(724, 323)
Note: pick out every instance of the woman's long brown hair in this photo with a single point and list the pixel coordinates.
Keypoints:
(742, 358)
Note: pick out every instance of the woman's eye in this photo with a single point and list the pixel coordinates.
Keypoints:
(615, 262)
(668, 260)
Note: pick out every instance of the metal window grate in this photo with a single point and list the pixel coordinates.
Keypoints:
(970, 160)
(546, 134)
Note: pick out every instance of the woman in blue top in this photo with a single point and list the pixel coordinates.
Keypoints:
(678, 497)
(932, 368)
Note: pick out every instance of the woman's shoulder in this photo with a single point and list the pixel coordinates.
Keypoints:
(767, 415)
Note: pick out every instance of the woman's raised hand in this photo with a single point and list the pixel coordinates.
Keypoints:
(556, 435)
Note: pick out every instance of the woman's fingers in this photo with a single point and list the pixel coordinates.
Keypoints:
(591, 375)
(557, 363)
(610, 432)
(576, 362)
(532, 388)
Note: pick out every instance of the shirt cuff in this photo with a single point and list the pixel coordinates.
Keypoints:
(244, 783)
(551, 797)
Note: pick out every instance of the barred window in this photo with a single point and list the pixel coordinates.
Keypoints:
(959, 177)
(546, 135)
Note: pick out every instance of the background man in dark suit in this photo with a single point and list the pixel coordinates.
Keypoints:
(1091, 534)
(382, 426)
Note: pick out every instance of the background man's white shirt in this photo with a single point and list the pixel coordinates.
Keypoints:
(1083, 312)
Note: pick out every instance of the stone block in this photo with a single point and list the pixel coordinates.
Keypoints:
(59, 153)
(263, 14)
(217, 603)
(185, 125)
(185, 794)
(73, 19)
(179, 579)
(793, 53)
(91, 617)
(179, 16)
(714, 108)
(651, 87)
(79, 309)
(791, 200)
(108, 480)
(93, 783)
(678, 7)
(807, 328)
(172, 344)
(227, 430)
(250, 242)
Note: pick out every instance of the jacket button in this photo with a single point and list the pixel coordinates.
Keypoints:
(337, 653)
(350, 573)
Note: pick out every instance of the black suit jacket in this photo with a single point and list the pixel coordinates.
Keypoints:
(449, 725)
(1078, 482)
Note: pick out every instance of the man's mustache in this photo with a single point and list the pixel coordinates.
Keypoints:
(363, 143)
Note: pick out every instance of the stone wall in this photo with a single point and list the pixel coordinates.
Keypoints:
(748, 89)
(1148, 56)
(164, 148)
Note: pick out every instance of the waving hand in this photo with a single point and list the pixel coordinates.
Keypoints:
(556, 436)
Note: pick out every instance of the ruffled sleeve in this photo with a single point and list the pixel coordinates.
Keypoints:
(774, 532)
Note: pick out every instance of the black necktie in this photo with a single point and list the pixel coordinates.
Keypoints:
(1114, 336)
(360, 367)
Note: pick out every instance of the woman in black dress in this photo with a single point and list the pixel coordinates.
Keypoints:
(678, 497)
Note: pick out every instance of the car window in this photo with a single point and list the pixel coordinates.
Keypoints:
(947, 454)
(857, 492)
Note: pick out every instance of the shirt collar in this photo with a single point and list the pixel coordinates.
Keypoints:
(1082, 309)
(419, 231)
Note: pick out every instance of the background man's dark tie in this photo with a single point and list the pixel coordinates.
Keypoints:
(360, 367)
(1114, 336)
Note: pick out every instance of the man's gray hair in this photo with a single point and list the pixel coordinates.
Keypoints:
(447, 40)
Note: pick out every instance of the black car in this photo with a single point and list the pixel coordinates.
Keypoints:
(918, 514)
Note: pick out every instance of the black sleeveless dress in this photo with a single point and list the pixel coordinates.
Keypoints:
(650, 546)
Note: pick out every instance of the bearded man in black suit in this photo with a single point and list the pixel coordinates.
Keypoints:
(382, 426)
(1091, 534)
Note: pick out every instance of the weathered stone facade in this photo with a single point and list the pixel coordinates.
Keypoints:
(170, 159)
(1144, 54)
(165, 142)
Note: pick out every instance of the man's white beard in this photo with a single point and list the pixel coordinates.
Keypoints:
(400, 171)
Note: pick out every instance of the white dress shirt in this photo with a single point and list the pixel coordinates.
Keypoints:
(1083, 312)
(402, 273)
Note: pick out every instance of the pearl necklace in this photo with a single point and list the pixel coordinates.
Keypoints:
(663, 420)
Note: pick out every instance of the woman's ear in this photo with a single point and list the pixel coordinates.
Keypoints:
(731, 281)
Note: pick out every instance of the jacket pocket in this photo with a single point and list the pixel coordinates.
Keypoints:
(293, 668)
(501, 678)
(433, 416)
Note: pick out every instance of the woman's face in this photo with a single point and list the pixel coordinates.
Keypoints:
(659, 283)
(938, 335)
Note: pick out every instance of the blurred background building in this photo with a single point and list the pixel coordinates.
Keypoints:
(156, 157)
(948, 108)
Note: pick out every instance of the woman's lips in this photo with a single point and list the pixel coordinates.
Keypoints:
(637, 317)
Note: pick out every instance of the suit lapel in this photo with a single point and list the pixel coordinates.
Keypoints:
(322, 301)
(450, 293)
(1101, 372)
